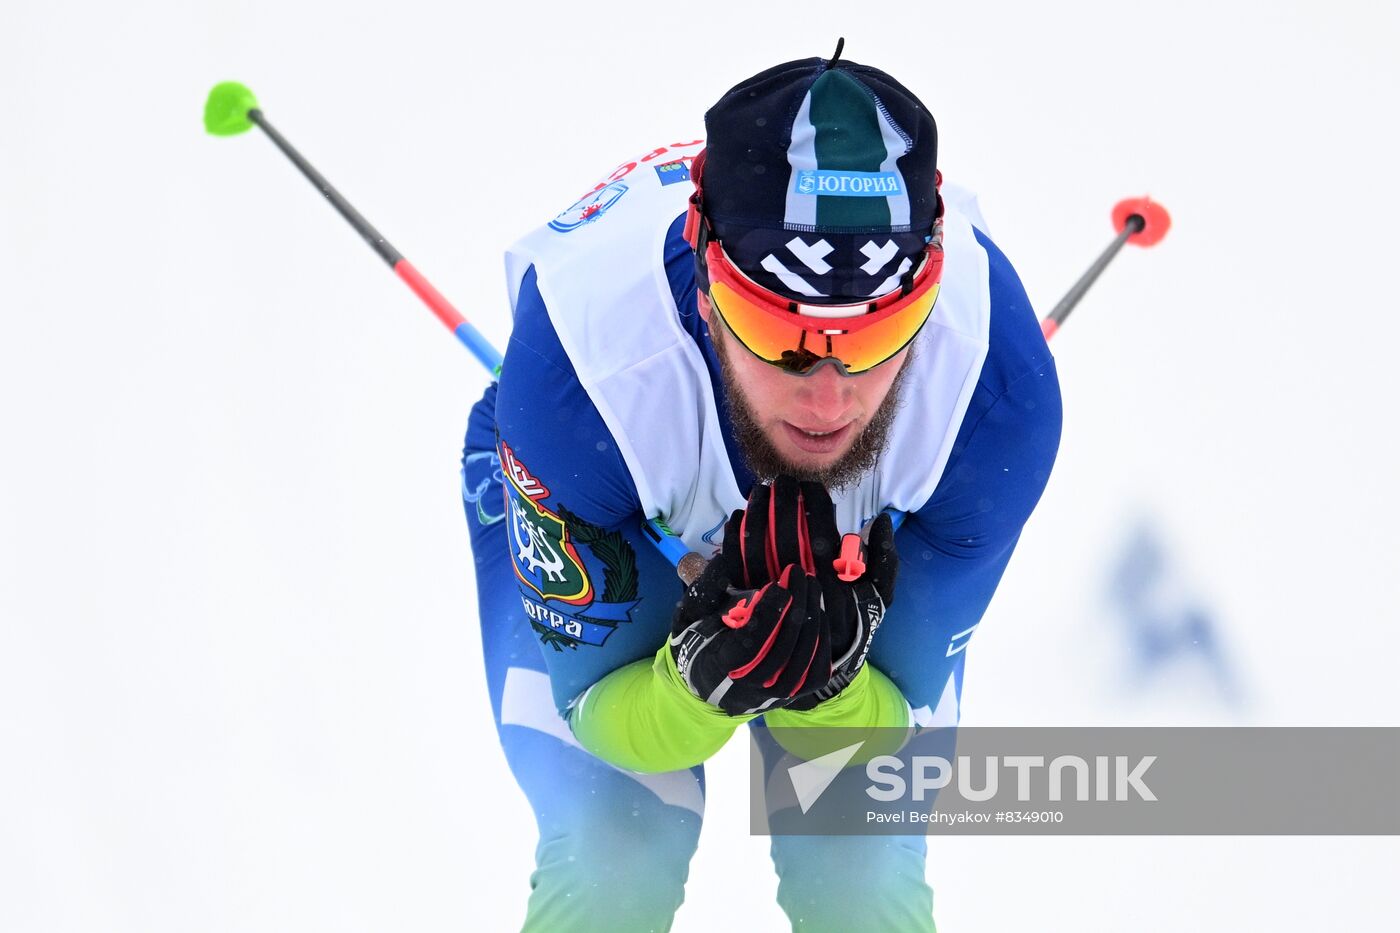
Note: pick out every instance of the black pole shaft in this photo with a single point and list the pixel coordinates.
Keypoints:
(365, 229)
(1134, 224)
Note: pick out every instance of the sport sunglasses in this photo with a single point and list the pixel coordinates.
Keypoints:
(799, 337)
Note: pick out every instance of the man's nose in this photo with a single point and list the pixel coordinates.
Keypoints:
(826, 394)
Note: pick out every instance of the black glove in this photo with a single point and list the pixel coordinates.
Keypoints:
(791, 522)
(785, 523)
(748, 652)
(852, 611)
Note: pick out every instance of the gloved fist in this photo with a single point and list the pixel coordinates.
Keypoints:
(853, 610)
(795, 523)
(746, 652)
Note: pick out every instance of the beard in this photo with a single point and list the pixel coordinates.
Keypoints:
(765, 460)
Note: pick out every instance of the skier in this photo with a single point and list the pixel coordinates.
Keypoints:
(764, 338)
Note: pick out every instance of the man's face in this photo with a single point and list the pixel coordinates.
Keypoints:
(826, 426)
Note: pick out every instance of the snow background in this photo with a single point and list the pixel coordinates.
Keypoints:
(240, 679)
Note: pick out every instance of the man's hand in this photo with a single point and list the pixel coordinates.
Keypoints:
(852, 611)
(747, 652)
(791, 522)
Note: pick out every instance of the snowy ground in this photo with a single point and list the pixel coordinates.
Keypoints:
(240, 677)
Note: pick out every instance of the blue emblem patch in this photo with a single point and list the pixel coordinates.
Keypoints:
(672, 172)
(588, 208)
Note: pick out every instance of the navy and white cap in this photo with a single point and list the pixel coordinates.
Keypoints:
(820, 179)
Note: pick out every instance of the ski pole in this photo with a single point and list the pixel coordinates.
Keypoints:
(232, 109)
(1140, 221)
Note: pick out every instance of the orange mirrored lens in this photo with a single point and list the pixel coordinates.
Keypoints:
(798, 342)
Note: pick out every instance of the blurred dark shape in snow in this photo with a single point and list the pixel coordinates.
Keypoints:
(1168, 630)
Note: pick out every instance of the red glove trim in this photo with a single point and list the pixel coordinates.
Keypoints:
(738, 672)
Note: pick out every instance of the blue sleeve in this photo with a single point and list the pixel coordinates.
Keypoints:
(544, 413)
(954, 550)
(596, 593)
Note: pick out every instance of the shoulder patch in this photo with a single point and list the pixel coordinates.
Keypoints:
(551, 554)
